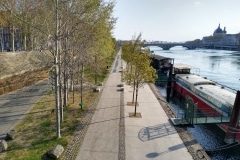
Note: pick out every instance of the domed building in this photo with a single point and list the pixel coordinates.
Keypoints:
(221, 38)
(219, 31)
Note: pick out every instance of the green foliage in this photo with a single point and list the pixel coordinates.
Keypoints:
(138, 70)
(138, 63)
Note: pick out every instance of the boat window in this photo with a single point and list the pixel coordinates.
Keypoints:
(204, 83)
(181, 71)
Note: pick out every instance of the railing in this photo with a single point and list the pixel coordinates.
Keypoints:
(195, 115)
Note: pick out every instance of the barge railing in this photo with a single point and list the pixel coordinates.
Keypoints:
(194, 115)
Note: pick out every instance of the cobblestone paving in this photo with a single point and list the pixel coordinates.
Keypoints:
(121, 154)
(190, 142)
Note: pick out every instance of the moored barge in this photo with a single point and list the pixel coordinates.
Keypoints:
(211, 103)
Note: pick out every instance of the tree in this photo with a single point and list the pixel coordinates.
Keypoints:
(141, 72)
(129, 51)
(74, 32)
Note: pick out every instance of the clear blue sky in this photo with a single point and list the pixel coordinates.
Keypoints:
(175, 20)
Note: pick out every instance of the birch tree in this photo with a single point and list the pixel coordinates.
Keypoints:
(72, 31)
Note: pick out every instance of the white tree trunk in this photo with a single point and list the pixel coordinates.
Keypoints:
(57, 86)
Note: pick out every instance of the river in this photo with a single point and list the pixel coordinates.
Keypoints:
(220, 66)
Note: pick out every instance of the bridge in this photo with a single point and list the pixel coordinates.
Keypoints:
(168, 45)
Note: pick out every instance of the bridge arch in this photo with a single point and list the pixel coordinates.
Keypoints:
(167, 46)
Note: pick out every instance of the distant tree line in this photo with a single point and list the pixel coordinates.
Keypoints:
(35, 20)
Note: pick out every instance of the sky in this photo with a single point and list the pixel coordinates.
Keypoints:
(174, 20)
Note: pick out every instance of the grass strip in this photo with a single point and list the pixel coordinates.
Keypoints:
(36, 133)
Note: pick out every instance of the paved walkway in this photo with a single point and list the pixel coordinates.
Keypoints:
(150, 137)
(101, 141)
(15, 105)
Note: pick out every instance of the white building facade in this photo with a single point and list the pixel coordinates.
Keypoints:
(220, 37)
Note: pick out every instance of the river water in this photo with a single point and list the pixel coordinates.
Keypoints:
(220, 66)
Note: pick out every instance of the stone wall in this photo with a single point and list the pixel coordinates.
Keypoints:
(22, 80)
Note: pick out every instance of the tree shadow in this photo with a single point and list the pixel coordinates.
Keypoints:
(170, 149)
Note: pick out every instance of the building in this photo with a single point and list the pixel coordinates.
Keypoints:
(6, 39)
(219, 31)
(220, 37)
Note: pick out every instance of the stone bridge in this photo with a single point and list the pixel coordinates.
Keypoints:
(168, 45)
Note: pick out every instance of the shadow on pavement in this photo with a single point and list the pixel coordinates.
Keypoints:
(157, 131)
(170, 149)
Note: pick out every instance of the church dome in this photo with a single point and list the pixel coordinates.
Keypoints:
(218, 30)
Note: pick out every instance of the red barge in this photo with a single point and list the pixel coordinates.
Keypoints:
(206, 102)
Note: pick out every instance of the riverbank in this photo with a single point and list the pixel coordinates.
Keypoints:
(219, 66)
(115, 134)
(194, 148)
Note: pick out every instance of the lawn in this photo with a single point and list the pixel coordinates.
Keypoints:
(36, 133)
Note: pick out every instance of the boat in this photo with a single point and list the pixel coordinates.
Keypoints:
(206, 93)
(162, 66)
(210, 102)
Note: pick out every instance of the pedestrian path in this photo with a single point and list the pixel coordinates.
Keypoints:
(151, 136)
(16, 104)
(101, 141)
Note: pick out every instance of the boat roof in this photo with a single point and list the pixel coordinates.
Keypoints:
(158, 57)
(209, 88)
(182, 66)
(219, 93)
(194, 79)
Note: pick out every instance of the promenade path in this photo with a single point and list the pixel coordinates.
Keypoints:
(114, 135)
(15, 105)
(152, 136)
(101, 141)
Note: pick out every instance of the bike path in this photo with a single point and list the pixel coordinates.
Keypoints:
(15, 105)
(101, 141)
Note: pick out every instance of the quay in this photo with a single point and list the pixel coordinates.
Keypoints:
(113, 134)
(107, 132)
